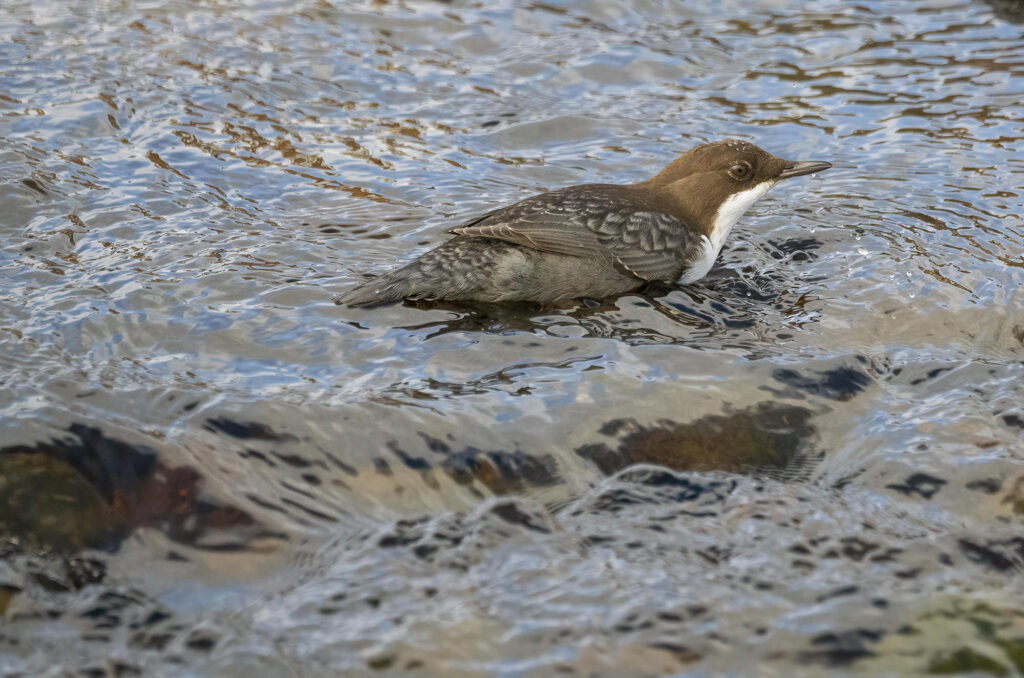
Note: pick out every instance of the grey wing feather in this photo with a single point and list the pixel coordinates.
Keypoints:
(651, 245)
(589, 221)
(546, 235)
(541, 222)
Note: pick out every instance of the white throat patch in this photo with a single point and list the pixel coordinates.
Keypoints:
(728, 214)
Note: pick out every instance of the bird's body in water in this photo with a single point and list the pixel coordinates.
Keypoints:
(594, 240)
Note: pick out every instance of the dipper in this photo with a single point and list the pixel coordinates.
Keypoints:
(594, 240)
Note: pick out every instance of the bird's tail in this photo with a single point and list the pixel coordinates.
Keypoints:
(462, 268)
(384, 289)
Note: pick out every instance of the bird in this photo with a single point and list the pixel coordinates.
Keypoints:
(594, 241)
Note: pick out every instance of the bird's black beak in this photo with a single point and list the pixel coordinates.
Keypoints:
(798, 168)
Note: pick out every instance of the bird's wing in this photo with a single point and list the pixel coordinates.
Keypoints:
(593, 221)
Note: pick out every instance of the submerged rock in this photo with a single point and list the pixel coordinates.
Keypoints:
(88, 490)
(766, 437)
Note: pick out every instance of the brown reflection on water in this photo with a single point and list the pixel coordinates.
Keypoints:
(768, 438)
(89, 491)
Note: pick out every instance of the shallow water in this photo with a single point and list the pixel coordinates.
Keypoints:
(811, 460)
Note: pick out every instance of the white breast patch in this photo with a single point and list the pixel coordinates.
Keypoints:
(728, 214)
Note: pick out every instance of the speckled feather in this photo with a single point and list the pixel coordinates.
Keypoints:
(593, 240)
(594, 220)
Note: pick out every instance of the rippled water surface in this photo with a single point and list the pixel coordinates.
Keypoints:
(812, 461)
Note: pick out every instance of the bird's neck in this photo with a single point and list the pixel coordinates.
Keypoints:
(683, 198)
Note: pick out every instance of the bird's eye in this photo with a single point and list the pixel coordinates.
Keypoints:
(739, 171)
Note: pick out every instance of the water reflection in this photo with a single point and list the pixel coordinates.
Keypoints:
(813, 456)
(721, 308)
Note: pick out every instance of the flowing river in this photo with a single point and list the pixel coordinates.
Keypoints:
(811, 462)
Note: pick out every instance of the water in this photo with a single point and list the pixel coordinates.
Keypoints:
(809, 462)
